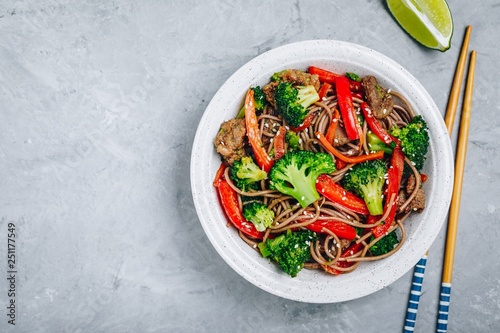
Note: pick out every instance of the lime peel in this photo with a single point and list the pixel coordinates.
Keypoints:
(429, 22)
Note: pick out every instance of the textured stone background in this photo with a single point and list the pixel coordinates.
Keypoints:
(99, 103)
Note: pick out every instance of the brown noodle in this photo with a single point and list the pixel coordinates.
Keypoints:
(327, 250)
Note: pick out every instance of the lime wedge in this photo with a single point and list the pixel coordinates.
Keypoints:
(429, 22)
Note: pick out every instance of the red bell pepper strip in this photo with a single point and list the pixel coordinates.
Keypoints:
(331, 77)
(324, 90)
(423, 177)
(357, 95)
(279, 143)
(324, 75)
(340, 229)
(394, 175)
(336, 193)
(306, 123)
(346, 106)
(229, 201)
(371, 219)
(354, 159)
(252, 126)
(377, 128)
(339, 164)
(219, 174)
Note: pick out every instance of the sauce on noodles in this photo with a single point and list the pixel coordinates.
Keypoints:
(330, 252)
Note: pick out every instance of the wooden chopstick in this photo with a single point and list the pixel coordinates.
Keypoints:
(451, 235)
(451, 111)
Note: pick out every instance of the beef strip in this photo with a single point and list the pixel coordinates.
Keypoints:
(380, 101)
(417, 204)
(340, 137)
(230, 140)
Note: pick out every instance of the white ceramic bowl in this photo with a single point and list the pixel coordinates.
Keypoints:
(316, 286)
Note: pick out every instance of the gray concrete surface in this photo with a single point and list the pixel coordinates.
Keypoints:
(99, 104)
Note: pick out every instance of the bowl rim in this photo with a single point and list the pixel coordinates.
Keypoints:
(311, 286)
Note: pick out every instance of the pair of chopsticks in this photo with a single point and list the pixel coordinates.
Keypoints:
(451, 111)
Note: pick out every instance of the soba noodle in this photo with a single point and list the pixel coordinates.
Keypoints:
(326, 251)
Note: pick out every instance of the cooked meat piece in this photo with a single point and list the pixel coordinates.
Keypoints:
(418, 203)
(340, 137)
(230, 140)
(380, 101)
(298, 77)
(269, 90)
(410, 184)
(401, 199)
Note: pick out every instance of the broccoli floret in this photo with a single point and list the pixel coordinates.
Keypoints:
(276, 77)
(414, 139)
(295, 174)
(367, 180)
(292, 102)
(293, 140)
(260, 101)
(289, 250)
(245, 173)
(258, 213)
(260, 98)
(353, 76)
(375, 144)
(385, 244)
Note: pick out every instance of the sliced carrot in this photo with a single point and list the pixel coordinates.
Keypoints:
(253, 133)
(354, 159)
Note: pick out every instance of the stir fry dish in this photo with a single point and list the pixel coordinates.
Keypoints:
(319, 170)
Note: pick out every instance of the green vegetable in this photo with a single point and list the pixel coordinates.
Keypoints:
(353, 76)
(385, 244)
(293, 140)
(276, 77)
(245, 174)
(289, 250)
(375, 144)
(260, 102)
(258, 213)
(414, 139)
(295, 174)
(292, 102)
(367, 180)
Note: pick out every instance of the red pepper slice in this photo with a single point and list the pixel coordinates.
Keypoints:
(336, 193)
(252, 126)
(279, 143)
(357, 95)
(306, 123)
(357, 88)
(394, 175)
(340, 229)
(339, 164)
(229, 201)
(324, 90)
(377, 128)
(331, 77)
(324, 75)
(219, 174)
(344, 96)
(354, 159)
